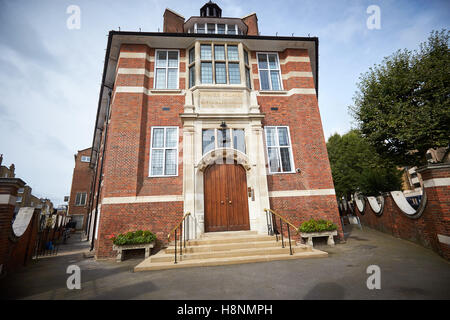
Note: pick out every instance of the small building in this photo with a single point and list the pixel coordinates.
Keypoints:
(212, 118)
(81, 189)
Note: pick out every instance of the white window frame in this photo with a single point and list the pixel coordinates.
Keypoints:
(81, 197)
(167, 69)
(164, 152)
(268, 69)
(277, 146)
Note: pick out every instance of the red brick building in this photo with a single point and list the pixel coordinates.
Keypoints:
(211, 118)
(81, 188)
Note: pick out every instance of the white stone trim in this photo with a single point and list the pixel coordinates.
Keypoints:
(402, 203)
(285, 60)
(136, 55)
(436, 182)
(301, 193)
(142, 199)
(149, 92)
(444, 239)
(296, 74)
(135, 71)
(287, 93)
(8, 199)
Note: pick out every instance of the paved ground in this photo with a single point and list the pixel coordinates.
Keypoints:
(408, 271)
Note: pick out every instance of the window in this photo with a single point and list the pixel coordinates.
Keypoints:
(233, 54)
(233, 73)
(248, 79)
(213, 28)
(85, 159)
(269, 71)
(80, 199)
(216, 66)
(223, 138)
(191, 76)
(19, 199)
(164, 152)
(21, 190)
(231, 29)
(279, 149)
(166, 69)
(191, 55)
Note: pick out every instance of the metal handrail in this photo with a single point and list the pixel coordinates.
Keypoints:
(282, 218)
(179, 226)
(271, 224)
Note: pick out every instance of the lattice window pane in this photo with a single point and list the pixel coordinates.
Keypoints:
(206, 72)
(191, 76)
(221, 75)
(264, 75)
(221, 29)
(171, 162)
(160, 78)
(158, 138)
(273, 62)
(171, 137)
(285, 159)
(262, 61)
(208, 140)
(219, 52)
(173, 59)
(205, 52)
(191, 55)
(270, 136)
(172, 82)
(275, 77)
(248, 78)
(233, 54)
(239, 139)
(231, 29)
(161, 59)
(274, 162)
(283, 137)
(157, 162)
(233, 73)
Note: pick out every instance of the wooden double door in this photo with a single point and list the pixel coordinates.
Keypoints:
(225, 196)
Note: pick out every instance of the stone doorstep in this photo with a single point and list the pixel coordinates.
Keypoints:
(223, 240)
(146, 265)
(227, 246)
(166, 257)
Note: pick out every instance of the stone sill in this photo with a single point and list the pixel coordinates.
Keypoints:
(272, 92)
(166, 91)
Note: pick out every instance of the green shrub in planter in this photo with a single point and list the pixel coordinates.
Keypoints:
(317, 226)
(136, 237)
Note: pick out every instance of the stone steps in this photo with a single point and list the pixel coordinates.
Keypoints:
(225, 248)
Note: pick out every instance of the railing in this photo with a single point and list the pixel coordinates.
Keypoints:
(272, 227)
(179, 226)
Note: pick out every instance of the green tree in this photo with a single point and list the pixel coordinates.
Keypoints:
(402, 107)
(356, 166)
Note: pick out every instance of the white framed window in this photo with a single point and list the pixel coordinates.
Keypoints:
(19, 199)
(164, 152)
(216, 28)
(223, 138)
(279, 149)
(85, 159)
(21, 190)
(269, 71)
(166, 69)
(80, 199)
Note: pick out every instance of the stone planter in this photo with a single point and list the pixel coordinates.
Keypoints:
(311, 235)
(121, 249)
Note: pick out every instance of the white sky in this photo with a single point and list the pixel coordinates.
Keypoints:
(50, 76)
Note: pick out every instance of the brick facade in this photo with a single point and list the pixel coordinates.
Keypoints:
(129, 197)
(81, 183)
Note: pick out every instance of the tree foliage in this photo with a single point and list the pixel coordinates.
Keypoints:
(403, 104)
(356, 166)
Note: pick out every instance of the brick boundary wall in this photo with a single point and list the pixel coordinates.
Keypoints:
(431, 227)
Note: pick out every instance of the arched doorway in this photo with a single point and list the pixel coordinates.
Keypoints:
(225, 198)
